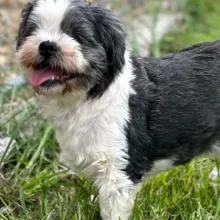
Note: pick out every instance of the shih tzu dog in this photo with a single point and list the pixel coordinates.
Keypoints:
(118, 118)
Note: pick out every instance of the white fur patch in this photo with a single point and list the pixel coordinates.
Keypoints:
(214, 153)
(214, 174)
(48, 14)
(92, 139)
(216, 148)
(160, 166)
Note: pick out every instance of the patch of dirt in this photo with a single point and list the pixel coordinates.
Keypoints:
(10, 11)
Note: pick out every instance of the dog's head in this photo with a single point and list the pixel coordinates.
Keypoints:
(68, 45)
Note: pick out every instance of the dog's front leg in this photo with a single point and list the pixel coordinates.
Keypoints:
(115, 203)
(116, 198)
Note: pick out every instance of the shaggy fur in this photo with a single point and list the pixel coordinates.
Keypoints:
(118, 118)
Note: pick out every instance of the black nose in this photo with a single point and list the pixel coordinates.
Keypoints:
(47, 48)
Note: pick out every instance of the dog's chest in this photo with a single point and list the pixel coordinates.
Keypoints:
(91, 135)
(91, 138)
(87, 136)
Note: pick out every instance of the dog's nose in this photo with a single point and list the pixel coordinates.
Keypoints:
(47, 48)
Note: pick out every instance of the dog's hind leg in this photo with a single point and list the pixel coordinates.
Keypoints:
(215, 154)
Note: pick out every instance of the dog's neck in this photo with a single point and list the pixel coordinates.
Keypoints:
(58, 108)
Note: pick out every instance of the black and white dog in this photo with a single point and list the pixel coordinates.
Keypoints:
(118, 118)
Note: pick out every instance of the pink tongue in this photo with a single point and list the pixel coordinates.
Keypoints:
(40, 76)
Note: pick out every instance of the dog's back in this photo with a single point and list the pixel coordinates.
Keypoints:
(182, 106)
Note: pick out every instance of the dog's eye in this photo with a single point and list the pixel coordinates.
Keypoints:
(25, 32)
(80, 39)
(84, 40)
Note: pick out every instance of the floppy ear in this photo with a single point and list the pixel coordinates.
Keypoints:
(111, 35)
(22, 33)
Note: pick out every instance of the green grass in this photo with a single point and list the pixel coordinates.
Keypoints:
(33, 185)
(200, 24)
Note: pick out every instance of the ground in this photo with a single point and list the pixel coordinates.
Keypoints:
(33, 185)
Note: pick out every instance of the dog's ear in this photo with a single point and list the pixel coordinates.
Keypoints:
(111, 35)
(23, 25)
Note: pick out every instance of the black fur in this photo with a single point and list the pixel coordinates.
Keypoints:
(176, 111)
(96, 28)
(26, 26)
(109, 32)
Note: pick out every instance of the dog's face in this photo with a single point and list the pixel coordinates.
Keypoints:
(67, 45)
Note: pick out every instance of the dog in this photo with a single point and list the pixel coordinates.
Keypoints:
(118, 118)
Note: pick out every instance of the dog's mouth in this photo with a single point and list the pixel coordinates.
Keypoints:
(48, 78)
